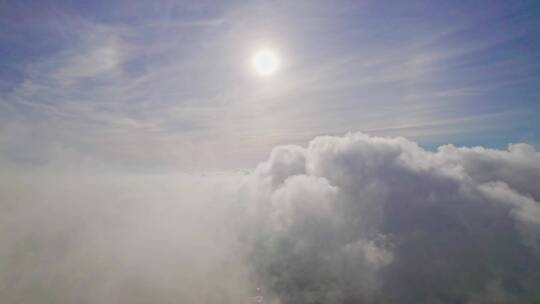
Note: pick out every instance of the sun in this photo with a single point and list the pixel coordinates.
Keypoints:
(265, 62)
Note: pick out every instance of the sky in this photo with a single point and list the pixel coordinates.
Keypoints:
(168, 84)
(270, 152)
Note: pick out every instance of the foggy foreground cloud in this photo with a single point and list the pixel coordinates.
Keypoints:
(353, 219)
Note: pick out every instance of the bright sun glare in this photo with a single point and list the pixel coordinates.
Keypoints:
(265, 62)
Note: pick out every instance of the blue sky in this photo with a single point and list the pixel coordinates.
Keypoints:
(167, 84)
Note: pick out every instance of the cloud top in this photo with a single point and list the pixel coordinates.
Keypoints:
(361, 219)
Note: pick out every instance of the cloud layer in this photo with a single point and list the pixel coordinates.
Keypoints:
(126, 84)
(352, 219)
(361, 219)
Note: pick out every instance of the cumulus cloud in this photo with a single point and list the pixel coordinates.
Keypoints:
(380, 220)
(352, 219)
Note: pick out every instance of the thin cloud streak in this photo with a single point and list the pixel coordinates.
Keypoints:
(179, 82)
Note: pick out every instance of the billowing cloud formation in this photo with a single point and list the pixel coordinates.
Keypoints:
(360, 219)
(353, 219)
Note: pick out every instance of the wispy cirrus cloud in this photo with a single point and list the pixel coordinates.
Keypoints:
(182, 83)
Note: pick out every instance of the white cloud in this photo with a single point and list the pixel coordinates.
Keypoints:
(345, 219)
(103, 56)
(380, 219)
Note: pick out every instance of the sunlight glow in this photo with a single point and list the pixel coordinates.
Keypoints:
(265, 62)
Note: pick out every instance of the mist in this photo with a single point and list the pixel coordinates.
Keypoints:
(343, 219)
